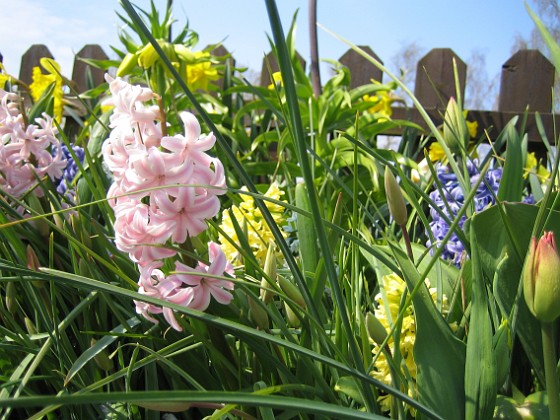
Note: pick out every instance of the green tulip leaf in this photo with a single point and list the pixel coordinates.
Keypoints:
(502, 239)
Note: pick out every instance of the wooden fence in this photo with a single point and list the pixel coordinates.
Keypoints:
(526, 82)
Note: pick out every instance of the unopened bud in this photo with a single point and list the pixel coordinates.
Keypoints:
(11, 300)
(147, 56)
(33, 264)
(291, 317)
(541, 278)
(32, 259)
(455, 130)
(258, 313)
(395, 199)
(375, 329)
(29, 326)
(184, 53)
(270, 275)
(127, 64)
(291, 291)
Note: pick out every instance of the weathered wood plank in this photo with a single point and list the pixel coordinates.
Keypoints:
(435, 79)
(82, 71)
(31, 58)
(526, 81)
(362, 71)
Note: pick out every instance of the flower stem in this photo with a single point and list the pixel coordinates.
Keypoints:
(406, 238)
(549, 353)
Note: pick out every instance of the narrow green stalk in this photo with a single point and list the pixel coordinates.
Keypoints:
(406, 238)
(549, 354)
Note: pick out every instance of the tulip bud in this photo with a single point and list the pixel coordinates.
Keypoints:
(541, 278)
(395, 200)
(455, 130)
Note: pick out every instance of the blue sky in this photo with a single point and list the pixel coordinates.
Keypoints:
(386, 26)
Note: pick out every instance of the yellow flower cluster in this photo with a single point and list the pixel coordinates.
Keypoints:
(251, 221)
(387, 311)
(381, 104)
(534, 166)
(41, 82)
(195, 66)
(201, 73)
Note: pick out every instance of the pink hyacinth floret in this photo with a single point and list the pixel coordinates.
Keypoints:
(164, 190)
(189, 287)
(25, 150)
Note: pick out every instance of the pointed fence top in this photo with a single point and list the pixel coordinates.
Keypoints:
(526, 81)
(362, 71)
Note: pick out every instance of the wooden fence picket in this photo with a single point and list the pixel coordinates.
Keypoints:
(82, 71)
(435, 78)
(526, 81)
(362, 71)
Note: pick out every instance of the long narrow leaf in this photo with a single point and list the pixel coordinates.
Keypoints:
(480, 365)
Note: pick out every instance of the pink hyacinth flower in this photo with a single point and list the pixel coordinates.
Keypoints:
(187, 210)
(207, 281)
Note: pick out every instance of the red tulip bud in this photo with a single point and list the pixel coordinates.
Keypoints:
(541, 278)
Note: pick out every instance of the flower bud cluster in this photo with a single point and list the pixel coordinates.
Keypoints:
(164, 190)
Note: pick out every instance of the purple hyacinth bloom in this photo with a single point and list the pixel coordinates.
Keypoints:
(71, 169)
(453, 200)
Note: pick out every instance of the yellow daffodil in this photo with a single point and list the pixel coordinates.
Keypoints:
(381, 104)
(436, 152)
(387, 311)
(4, 77)
(201, 72)
(42, 81)
(276, 79)
(250, 219)
(472, 126)
(532, 165)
